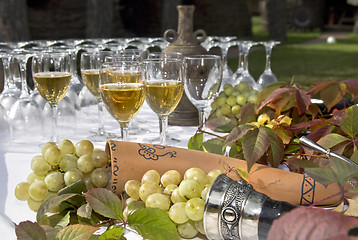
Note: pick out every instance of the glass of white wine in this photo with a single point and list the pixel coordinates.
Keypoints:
(52, 76)
(122, 90)
(164, 89)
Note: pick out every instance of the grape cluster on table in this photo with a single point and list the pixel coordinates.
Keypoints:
(183, 199)
(61, 165)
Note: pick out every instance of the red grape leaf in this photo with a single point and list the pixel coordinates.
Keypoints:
(275, 95)
(349, 121)
(247, 113)
(332, 94)
(276, 149)
(319, 86)
(30, 231)
(303, 100)
(352, 86)
(221, 124)
(237, 133)
(312, 224)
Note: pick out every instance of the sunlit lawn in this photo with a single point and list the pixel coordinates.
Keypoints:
(307, 63)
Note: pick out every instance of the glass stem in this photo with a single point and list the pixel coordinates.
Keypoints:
(24, 89)
(163, 125)
(100, 118)
(54, 110)
(268, 58)
(124, 131)
(202, 118)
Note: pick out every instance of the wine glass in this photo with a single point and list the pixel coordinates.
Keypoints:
(164, 89)
(51, 72)
(245, 75)
(202, 79)
(25, 115)
(122, 90)
(267, 77)
(240, 64)
(90, 65)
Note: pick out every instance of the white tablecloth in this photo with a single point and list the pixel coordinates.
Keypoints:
(15, 157)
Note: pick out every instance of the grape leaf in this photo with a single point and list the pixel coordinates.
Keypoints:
(312, 224)
(105, 203)
(325, 176)
(221, 124)
(255, 143)
(332, 94)
(50, 203)
(276, 149)
(114, 233)
(247, 113)
(243, 173)
(29, 231)
(352, 87)
(85, 211)
(64, 221)
(153, 224)
(269, 89)
(349, 121)
(237, 133)
(303, 100)
(275, 95)
(196, 142)
(76, 232)
(331, 140)
(214, 145)
(343, 170)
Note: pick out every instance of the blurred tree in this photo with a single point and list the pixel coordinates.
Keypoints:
(13, 20)
(273, 13)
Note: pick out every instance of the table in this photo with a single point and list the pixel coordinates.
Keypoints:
(15, 157)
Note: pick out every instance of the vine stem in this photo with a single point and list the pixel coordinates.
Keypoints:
(307, 155)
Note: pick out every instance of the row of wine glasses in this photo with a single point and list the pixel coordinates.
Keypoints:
(242, 72)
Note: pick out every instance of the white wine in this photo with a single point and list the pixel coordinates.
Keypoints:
(163, 96)
(91, 78)
(123, 100)
(125, 77)
(52, 86)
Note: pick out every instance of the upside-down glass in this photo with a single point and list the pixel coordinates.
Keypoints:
(52, 76)
(267, 77)
(164, 88)
(202, 76)
(122, 90)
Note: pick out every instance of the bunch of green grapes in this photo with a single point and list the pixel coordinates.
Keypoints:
(231, 99)
(183, 199)
(61, 165)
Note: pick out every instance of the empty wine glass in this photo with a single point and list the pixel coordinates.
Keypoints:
(25, 115)
(202, 76)
(267, 77)
(245, 75)
(90, 65)
(122, 91)
(240, 64)
(52, 76)
(164, 89)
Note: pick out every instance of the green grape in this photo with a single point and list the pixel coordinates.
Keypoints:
(129, 200)
(200, 226)
(177, 213)
(34, 205)
(39, 165)
(194, 209)
(46, 146)
(52, 155)
(213, 174)
(132, 188)
(222, 94)
(235, 93)
(170, 177)
(158, 200)
(147, 189)
(214, 105)
(87, 180)
(252, 99)
(196, 174)
(241, 100)
(100, 158)
(66, 147)
(219, 113)
(228, 89)
(187, 230)
(221, 100)
(231, 100)
(225, 109)
(72, 176)
(54, 181)
(100, 177)
(169, 189)
(189, 188)
(22, 191)
(176, 197)
(85, 164)
(236, 109)
(134, 206)
(205, 191)
(243, 87)
(38, 191)
(32, 177)
(68, 162)
(151, 176)
(84, 147)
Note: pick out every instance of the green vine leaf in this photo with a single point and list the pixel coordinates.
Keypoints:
(276, 149)
(349, 121)
(255, 143)
(30, 231)
(153, 224)
(85, 211)
(76, 232)
(196, 142)
(105, 203)
(114, 233)
(343, 170)
(237, 133)
(214, 145)
(332, 140)
(243, 173)
(50, 203)
(325, 176)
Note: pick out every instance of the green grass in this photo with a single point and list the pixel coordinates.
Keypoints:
(307, 63)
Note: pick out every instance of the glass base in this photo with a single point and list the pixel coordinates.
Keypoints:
(169, 141)
(101, 137)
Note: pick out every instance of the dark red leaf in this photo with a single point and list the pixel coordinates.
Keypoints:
(319, 133)
(352, 86)
(319, 86)
(312, 224)
(303, 100)
(247, 113)
(275, 95)
(303, 125)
